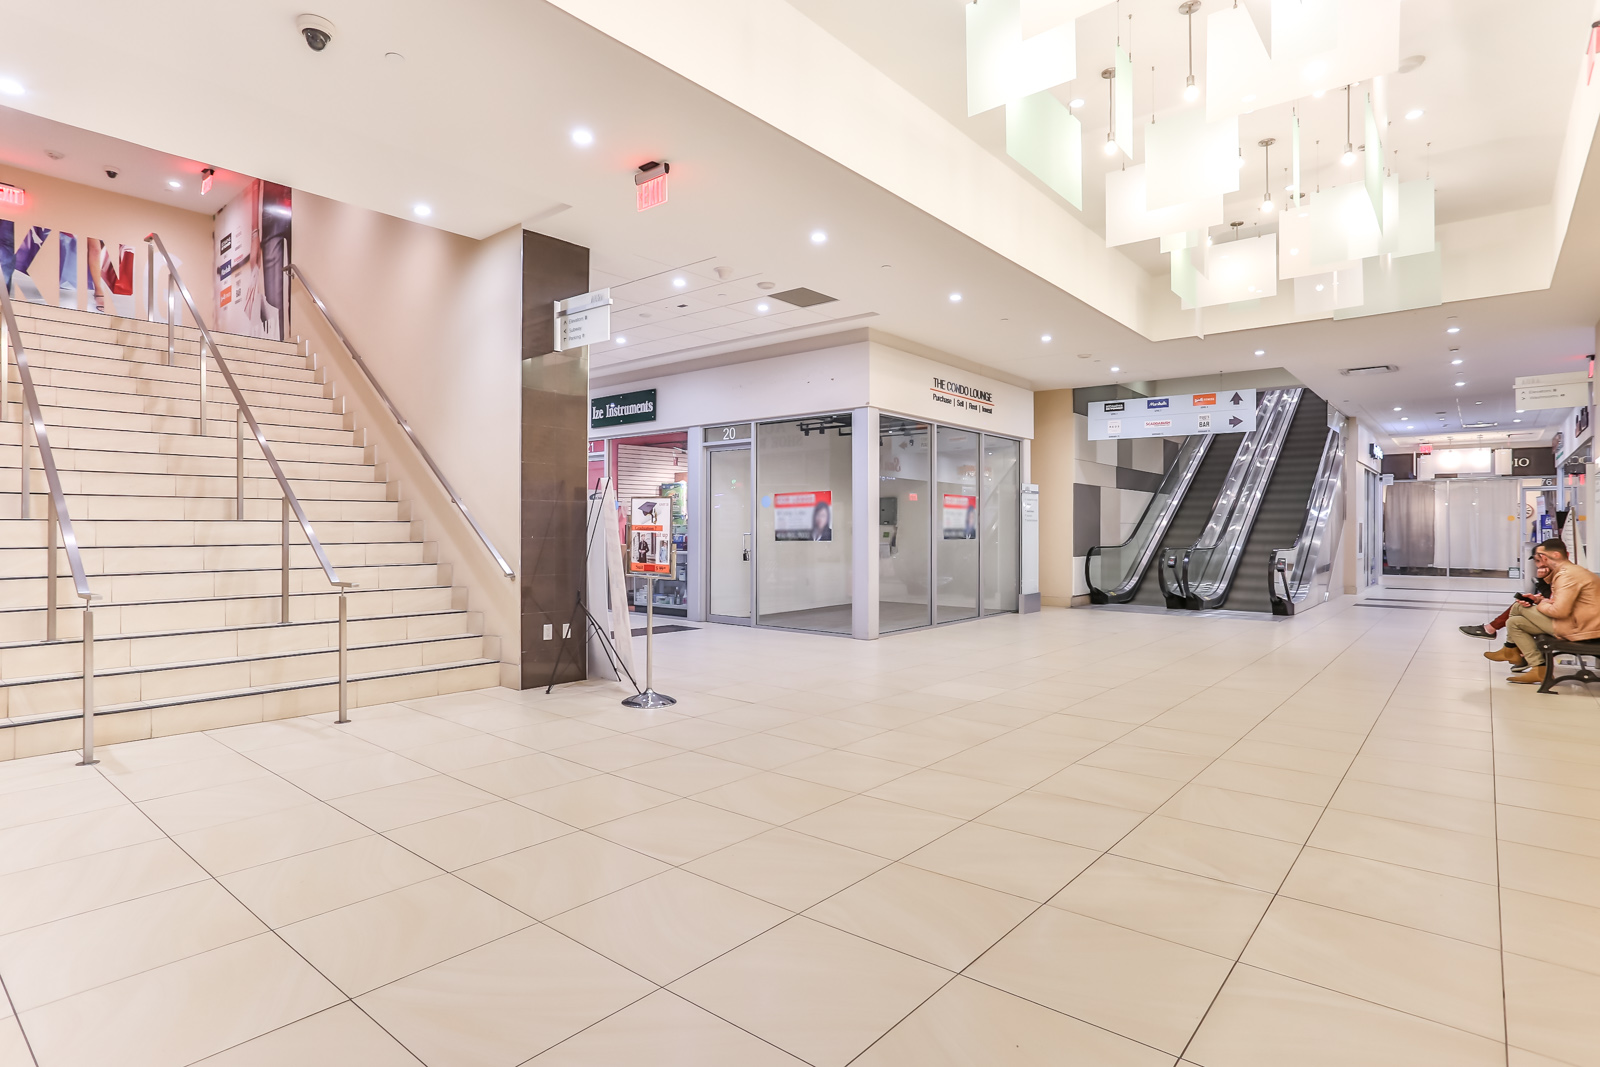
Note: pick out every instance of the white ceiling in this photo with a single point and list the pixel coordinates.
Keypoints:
(475, 121)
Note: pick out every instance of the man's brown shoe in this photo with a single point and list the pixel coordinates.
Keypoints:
(1509, 654)
(1531, 676)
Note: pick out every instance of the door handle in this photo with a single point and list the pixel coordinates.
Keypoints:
(745, 556)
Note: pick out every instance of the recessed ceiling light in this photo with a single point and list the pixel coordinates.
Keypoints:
(421, 211)
(1405, 418)
(679, 283)
(819, 237)
(1045, 338)
(1261, 351)
(1460, 384)
(582, 137)
(1516, 420)
(174, 184)
(1414, 114)
(1455, 362)
(1319, 287)
(762, 307)
(1399, 409)
(11, 87)
(955, 298)
(1114, 370)
(619, 339)
(1519, 411)
(1075, 102)
(1451, 325)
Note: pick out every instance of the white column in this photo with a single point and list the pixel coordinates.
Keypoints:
(694, 505)
(864, 524)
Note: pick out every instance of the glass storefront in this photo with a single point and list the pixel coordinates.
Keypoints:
(803, 524)
(904, 506)
(1002, 524)
(956, 574)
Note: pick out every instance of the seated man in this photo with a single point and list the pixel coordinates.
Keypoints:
(1541, 585)
(1571, 612)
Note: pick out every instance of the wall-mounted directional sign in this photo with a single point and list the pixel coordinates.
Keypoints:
(583, 320)
(1225, 411)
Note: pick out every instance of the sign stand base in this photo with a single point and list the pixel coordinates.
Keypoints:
(649, 698)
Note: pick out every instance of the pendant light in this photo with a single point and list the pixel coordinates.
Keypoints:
(1266, 144)
(1109, 74)
(1191, 91)
(1349, 156)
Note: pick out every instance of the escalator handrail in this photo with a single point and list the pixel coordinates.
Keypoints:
(1160, 512)
(1301, 556)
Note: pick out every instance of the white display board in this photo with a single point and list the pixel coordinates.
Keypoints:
(1538, 391)
(1225, 411)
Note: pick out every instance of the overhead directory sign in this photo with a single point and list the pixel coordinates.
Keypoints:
(1568, 390)
(583, 320)
(1228, 411)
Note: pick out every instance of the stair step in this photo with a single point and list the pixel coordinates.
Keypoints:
(90, 323)
(102, 461)
(220, 407)
(219, 422)
(81, 483)
(150, 586)
(314, 398)
(63, 731)
(136, 559)
(101, 506)
(126, 366)
(143, 533)
(188, 443)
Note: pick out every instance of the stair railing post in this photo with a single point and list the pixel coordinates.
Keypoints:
(88, 686)
(238, 500)
(50, 570)
(150, 283)
(202, 387)
(344, 655)
(26, 505)
(5, 373)
(284, 614)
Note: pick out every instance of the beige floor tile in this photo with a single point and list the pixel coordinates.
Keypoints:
(1142, 987)
(1155, 763)
(1548, 796)
(945, 921)
(1555, 931)
(183, 1011)
(1547, 872)
(1002, 766)
(1285, 820)
(546, 736)
(1020, 864)
(1550, 1010)
(772, 797)
(44, 894)
(1380, 770)
(818, 993)
(202, 808)
(477, 834)
(375, 941)
(1454, 907)
(330, 781)
(594, 800)
(553, 876)
(277, 835)
(524, 774)
(967, 731)
(947, 794)
(1440, 978)
(763, 751)
(288, 890)
(1461, 814)
(1299, 786)
(1263, 1019)
(687, 773)
(14, 1051)
(410, 802)
(1076, 822)
(967, 1024)
(1122, 789)
(502, 1003)
(691, 733)
(342, 1036)
(1210, 851)
(148, 783)
(680, 831)
(903, 746)
(664, 1030)
(1548, 829)
(447, 757)
(61, 799)
(821, 730)
(40, 844)
(1410, 844)
(786, 868)
(46, 963)
(666, 926)
(615, 753)
(877, 826)
(846, 770)
(1203, 913)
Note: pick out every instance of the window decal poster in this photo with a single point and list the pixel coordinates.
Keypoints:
(802, 516)
(650, 535)
(252, 242)
(960, 517)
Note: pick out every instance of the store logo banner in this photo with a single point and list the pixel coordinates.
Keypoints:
(622, 408)
(965, 397)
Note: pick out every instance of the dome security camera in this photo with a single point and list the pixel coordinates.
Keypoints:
(317, 31)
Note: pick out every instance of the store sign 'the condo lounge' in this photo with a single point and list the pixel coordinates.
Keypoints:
(963, 397)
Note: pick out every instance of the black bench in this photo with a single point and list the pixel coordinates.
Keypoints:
(1553, 646)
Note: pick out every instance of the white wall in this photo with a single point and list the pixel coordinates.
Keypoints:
(903, 383)
(438, 319)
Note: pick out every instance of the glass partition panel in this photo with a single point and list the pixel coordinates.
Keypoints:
(956, 520)
(904, 510)
(1001, 516)
(728, 546)
(803, 527)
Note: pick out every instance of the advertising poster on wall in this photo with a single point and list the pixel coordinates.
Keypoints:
(252, 240)
(960, 517)
(110, 278)
(802, 516)
(650, 536)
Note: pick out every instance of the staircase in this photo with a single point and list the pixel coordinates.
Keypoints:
(188, 633)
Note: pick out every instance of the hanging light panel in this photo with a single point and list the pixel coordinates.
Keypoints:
(1044, 136)
(1003, 65)
(1189, 159)
(1122, 88)
(1129, 218)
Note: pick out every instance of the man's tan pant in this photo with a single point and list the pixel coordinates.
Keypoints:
(1525, 624)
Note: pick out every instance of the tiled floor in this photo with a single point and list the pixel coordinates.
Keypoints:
(1077, 838)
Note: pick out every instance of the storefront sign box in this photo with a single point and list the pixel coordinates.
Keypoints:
(621, 408)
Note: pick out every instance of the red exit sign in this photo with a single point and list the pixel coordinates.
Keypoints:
(652, 193)
(15, 196)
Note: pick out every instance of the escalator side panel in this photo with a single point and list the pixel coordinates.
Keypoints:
(1192, 514)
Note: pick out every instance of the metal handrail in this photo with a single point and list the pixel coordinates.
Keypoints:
(59, 517)
(1301, 562)
(455, 497)
(289, 497)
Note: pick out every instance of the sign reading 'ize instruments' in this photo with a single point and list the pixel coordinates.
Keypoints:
(623, 408)
(1227, 411)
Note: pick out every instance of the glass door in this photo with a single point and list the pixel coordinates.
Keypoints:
(956, 570)
(730, 545)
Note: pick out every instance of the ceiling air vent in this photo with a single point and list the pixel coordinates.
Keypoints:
(1381, 368)
(803, 298)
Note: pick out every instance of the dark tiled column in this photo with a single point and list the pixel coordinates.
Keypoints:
(555, 434)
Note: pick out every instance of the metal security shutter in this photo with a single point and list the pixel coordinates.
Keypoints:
(642, 468)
